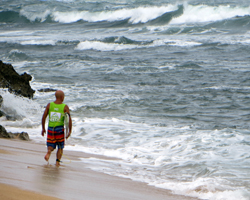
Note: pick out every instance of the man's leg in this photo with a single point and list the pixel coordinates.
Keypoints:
(59, 156)
(50, 149)
(59, 153)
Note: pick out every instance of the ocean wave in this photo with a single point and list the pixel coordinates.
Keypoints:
(172, 14)
(123, 43)
(17, 55)
(12, 17)
(190, 65)
(44, 42)
(205, 13)
(171, 150)
(152, 15)
(124, 40)
(16, 108)
(38, 42)
(135, 15)
(234, 24)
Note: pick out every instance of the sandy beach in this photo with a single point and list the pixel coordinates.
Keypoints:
(24, 174)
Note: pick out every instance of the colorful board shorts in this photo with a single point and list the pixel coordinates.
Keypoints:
(55, 137)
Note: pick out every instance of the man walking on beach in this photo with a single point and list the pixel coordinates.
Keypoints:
(55, 136)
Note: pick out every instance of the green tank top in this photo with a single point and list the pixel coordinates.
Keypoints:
(56, 114)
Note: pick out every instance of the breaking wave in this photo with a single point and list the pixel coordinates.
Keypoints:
(151, 15)
(123, 43)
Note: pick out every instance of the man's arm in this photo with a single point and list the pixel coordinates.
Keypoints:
(66, 110)
(45, 114)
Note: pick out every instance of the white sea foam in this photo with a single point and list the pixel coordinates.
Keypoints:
(192, 14)
(136, 15)
(23, 113)
(204, 188)
(145, 150)
(38, 42)
(172, 42)
(205, 13)
(15, 104)
(37, 12)
(101, 46)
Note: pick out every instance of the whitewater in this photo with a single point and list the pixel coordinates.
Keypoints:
(162, 86)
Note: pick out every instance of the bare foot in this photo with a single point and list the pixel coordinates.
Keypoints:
(57, 164)
(46, 157)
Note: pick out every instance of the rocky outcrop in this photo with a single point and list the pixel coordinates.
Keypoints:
(5, 134)
(17, 84)
(1, 101)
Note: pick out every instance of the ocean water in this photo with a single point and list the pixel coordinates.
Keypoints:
(162, 85)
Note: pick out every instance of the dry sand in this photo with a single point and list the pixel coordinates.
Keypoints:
(24, 175)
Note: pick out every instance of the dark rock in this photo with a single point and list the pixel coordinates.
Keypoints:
(21, 136)
(2, 113)
(5, 134)
(17, 84)
(12, 117)
(1, 101)
(47, 90)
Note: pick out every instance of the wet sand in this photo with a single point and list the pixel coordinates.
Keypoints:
(8, 192)
(24, 174)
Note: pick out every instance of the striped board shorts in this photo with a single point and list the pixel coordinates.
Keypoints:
(55, 134)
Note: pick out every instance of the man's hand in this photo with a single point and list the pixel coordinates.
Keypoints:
(43, 132)
(68, 135)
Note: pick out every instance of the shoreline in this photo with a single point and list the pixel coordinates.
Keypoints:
(23, 168)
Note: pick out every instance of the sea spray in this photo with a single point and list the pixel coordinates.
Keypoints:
(204, 13)
(19, 111)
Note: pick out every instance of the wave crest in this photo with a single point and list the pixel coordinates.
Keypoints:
(204, 13)
(151, 15)
(123, 43)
